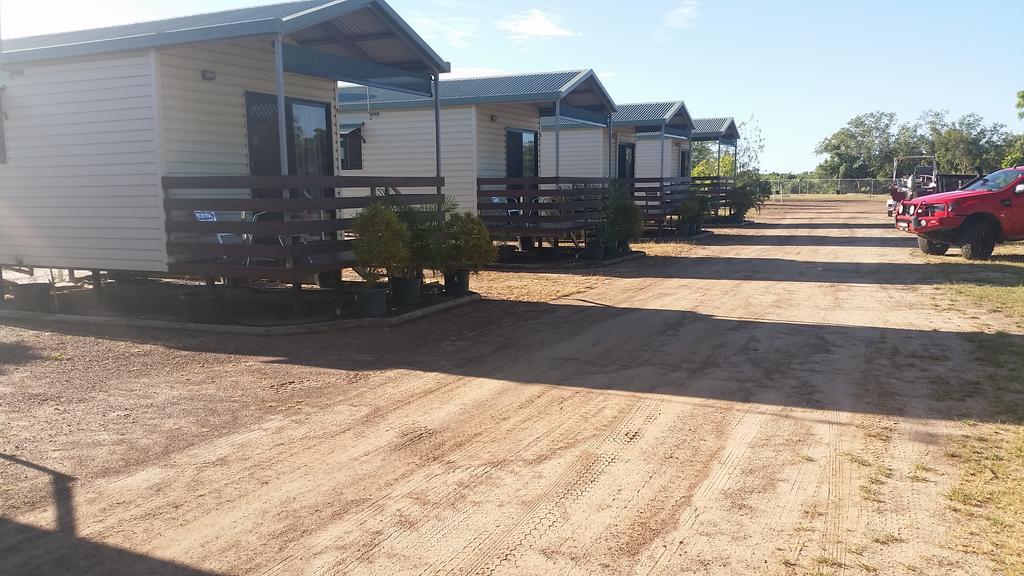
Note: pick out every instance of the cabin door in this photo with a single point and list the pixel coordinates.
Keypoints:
(627, 160)
(521, 160)
(310, 148)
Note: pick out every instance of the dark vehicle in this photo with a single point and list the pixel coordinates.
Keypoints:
(923, 180)
(984, 213)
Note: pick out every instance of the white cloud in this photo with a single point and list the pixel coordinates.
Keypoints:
(473, 73)
(455, 31)
(533, 24)
(684, 15)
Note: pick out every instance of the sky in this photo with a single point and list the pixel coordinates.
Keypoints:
(799, 69)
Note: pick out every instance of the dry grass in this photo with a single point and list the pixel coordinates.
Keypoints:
(997, 285)
(989, 495)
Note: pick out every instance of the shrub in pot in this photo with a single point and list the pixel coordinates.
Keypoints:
(625, 222)
(426, 234)
(467, 248)
(691, 213)
(382, 247)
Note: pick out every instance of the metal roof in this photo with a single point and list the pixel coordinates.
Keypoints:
(369, 30)
(577, 88)
(711, 129)
(648, 115)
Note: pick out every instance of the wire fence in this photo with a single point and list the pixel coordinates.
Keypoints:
(831, 186)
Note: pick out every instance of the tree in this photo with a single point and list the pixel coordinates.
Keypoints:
(868, 144)
(1015, 153)
(864, 148)
(1020, 104)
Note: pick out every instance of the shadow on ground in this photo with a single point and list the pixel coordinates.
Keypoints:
(15, 354)
(637, 350)
(61, 552)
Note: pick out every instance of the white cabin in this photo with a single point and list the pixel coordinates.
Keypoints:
(490, 128)
(94, 121)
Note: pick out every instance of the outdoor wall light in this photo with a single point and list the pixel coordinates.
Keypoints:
(494, 118)
(209, 75)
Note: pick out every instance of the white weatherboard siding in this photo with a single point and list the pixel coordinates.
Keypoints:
(648, 163)
(80, 188)
(204, 127)
(402, 143)
(582, 154)
(585, 151)
(491, 136)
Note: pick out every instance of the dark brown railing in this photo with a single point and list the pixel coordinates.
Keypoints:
(715, 187)
(545, 207)
(561, 206)
(657, 197)
(281, 228)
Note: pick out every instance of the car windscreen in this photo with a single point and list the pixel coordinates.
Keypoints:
(995, 181)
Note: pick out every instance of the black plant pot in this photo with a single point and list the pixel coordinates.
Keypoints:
(593, 251)
(372, 303)
(406, 291)
(506, 254)
(203, 306)
(35, 297)
(456, 283)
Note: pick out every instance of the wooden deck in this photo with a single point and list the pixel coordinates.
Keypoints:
(280, 228)
(555, 207)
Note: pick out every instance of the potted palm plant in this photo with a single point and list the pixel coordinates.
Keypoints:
(467, 248)
(382, 248)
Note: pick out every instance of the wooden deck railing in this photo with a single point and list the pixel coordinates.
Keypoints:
(281, 228)
(546, 207)
(657, 197)
(560, 206)
(715, 187)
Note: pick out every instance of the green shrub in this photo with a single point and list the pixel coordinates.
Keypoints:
(625, 220)
(691, 209)
(468, 244)
(750, 193)
(382, 246)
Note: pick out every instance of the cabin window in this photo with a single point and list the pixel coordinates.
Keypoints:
(352, 150)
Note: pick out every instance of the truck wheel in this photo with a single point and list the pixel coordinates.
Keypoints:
(979, 240)
(931, 248)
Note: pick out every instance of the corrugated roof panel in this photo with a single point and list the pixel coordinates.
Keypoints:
(363, 29)
(642, 114)
(467, 89)
(274, 11)
(711, 129)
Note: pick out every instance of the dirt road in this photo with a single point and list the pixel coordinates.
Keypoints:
(773, 401)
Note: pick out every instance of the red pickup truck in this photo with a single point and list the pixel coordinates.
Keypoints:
(982, 214)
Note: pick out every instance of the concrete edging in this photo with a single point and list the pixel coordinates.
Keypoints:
(636, 255)
(286, 330)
